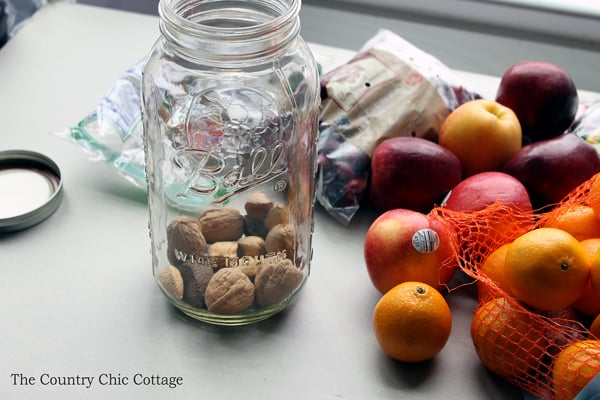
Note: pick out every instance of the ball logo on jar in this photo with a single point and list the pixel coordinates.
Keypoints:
(264, 164)
(426, 240)
(200, 166)
(235, 141)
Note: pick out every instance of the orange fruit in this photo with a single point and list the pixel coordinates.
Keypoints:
(493, 268)
(412, 322)
(580, 221)
(509, 340)
(483, 134)
(595, 272)
(595, 194)
(595, 327)
(589, 301)
(574, 367)
(547, 268)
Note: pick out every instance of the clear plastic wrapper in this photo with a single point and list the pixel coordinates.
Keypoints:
(343, 173)
(587, 125)
(113, 132)
(389, 88)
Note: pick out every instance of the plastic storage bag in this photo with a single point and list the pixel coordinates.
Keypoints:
(390, 88)
(113, 133)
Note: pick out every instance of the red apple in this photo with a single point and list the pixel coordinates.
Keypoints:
(497, 225)
(552, 168)
(480, 190)
(542, 95)
(412, 173)
(405, 245)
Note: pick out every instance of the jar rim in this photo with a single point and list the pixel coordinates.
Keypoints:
(170, 11)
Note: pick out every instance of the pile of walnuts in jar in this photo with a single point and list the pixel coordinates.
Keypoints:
(226, 262)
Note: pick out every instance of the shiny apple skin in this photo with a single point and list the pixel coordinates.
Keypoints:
(412, 173)
(543, 96)
(550, 169)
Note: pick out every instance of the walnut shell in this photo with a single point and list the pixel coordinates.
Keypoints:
(275, 282)
(279, 214)
(251, 246)
(229, 291)
(171, 280)
(195, 281)
(258, 205)
(222, 225)
(222, 251)
(255, 227)
(184, 240)
(249, 266)
(281, 239)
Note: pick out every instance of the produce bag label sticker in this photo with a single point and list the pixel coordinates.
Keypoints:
(379, 96)
(356, 79)
(426, 241)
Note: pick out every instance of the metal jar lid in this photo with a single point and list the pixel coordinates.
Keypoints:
(30, 189)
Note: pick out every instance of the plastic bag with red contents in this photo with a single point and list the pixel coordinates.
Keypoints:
(389, 88)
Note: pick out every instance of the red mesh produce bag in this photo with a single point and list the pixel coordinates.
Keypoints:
(513, 340)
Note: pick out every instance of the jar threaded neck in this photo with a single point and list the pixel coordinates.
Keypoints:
(230, 29)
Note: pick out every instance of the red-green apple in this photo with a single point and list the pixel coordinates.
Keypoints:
(499, 224)
(552, 168)
(481, 190)
(543, 96)
(405, 245)
(412, 173)
(483, 134)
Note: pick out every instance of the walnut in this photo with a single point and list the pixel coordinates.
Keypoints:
(222, 225)
(258, 206)
(255, 227)
(195, 281)
(229, 291)
(251, 246)
(279, 214)
(275, 282)
(184, 240)
(281, 239)
(171, 281)
(249, 266)
(222, 251)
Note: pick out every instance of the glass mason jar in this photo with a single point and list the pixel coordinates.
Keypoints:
(230, 110)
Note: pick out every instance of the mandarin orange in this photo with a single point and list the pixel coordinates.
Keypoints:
(595, 328)
(595, 194)
(509, 340)
(412, 322)
(595, 272)
(580, 221)
(589, 301)
(574, 367)
(493, 269)
(547, 268)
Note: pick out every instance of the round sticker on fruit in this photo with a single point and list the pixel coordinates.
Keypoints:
(426, 240)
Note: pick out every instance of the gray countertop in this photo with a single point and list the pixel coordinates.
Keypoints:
(77, 293)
